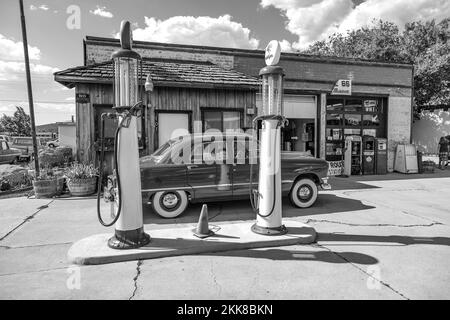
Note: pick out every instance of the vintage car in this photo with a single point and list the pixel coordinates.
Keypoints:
(169, 184)
(7, 154)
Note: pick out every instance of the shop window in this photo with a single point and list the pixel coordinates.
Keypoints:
(334, 119)
(371, 120)
(353, 105)
(222, 120)
(352, 116)
(335, 104)
(353, 120)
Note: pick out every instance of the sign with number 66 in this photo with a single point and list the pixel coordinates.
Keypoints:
(342, 87)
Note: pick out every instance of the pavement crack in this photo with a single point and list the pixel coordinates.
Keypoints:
(213, 275)
(364, 271)
(26, 220)
(135, 279)
(374, 224)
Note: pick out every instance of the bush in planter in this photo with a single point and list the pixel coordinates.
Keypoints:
(45, 185)
(81, 179)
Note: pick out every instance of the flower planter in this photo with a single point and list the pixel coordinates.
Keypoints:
(59, 185)
(44, 188)
(82, 187)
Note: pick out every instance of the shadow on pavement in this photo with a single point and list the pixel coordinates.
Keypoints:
(402, 240)
(241, 210)
(280, 255)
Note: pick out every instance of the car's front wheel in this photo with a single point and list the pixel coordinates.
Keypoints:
(15, 160)
(303, 193)
(170, 204)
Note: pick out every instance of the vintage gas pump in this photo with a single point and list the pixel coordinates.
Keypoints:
(267, 200)
(124, 188)
(368, 157)
(352, 155)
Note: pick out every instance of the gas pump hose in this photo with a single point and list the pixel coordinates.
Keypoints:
(281, 122)
(116, 165)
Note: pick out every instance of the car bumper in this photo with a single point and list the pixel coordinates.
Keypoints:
(324, 184)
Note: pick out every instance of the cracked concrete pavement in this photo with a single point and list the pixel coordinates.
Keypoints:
(377, 239)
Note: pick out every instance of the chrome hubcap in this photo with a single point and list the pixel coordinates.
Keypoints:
(304, 192)
(170, 200)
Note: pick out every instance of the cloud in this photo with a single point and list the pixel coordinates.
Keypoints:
(12, 70)
(102, 12)
(203, 30)
(313, 20)
(13, 51)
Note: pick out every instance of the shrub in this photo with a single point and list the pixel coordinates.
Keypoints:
(4, 185)
(81, 171)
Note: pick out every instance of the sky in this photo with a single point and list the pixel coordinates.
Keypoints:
(56, 31)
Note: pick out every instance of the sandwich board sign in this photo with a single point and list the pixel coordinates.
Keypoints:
(342, 87)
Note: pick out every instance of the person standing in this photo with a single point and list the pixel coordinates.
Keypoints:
(443, 152)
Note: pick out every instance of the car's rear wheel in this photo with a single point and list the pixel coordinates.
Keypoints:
(15, 160)
(303, 193)
(51, 145)
(170, 204)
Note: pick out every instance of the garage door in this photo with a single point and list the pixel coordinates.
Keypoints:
(295, 106)
(171, 125)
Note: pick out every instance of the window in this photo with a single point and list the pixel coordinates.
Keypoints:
(222, 120)
(352, 116)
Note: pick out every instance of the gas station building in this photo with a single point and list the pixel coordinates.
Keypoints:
(219, 88)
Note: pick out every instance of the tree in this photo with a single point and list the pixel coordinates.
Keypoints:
(424, 44)
(19, 124)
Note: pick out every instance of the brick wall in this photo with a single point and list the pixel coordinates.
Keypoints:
(100, 53)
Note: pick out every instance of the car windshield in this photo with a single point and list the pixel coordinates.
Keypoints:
(159, 153)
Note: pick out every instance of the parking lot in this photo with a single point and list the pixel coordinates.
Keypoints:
(379, 237)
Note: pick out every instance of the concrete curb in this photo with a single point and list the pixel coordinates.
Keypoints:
(181, 241)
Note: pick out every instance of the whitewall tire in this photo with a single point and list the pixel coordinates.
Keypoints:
(303, 193)
(170, 204)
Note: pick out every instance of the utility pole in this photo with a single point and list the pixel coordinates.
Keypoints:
(30, 93)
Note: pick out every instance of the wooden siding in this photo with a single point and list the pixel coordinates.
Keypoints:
(161, 99)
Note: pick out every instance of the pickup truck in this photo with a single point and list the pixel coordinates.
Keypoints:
(25, 145)
(7, 154)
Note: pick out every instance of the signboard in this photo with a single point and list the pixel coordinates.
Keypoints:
(82, 98)
(273, 52)
(342, 87)
(335, 168)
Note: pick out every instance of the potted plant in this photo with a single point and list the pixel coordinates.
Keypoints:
(81, 179)
(45, 185)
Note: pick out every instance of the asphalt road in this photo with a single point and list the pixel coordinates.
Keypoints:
(377, 239)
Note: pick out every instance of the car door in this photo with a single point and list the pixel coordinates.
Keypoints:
(245, 153)
(209, 179)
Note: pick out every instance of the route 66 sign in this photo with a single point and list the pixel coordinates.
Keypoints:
(342, 87)
(273, 51)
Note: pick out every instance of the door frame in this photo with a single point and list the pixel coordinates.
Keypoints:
(157, 112)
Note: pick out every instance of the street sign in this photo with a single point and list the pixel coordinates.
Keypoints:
(273, 52)
(342, 87)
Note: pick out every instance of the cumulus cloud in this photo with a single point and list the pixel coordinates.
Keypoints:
(12, 50)
(102, 12)
(13, 70)
(313, 20)
(207, 31)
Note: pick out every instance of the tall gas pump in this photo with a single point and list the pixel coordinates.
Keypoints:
(267, 199)
(124, 188)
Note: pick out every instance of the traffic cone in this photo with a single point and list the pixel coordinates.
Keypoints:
(202, 230)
